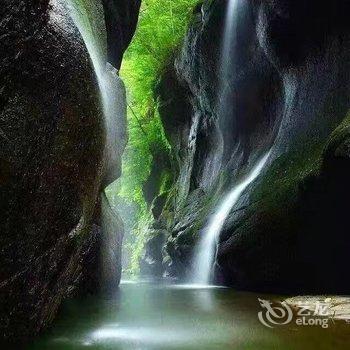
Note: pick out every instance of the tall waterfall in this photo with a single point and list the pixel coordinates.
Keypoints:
(207, 245)
(227, 57)
(229, 37)
(89, 19)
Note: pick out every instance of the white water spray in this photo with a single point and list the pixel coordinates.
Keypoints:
(226, 64)
(229, 35)
(207, 245)
(89, 19)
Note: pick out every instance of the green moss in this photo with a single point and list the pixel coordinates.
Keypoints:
(162, 26)
(166, 181)
(282, 181)
(340, 133)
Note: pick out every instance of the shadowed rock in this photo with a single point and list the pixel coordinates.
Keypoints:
(289, 87)
(121, 19)
(52, 162)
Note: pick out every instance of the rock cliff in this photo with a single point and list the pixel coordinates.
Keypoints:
(288, 90)
(52, 161)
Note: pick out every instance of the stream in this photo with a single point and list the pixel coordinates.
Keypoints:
(146, 316)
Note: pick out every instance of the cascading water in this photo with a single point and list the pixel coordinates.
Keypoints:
(207, 246)
(227, 56)
(229, 37)
(94, 36)
(89, 19)
(206, 249)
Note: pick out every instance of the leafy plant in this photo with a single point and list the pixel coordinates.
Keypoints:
(162, 25)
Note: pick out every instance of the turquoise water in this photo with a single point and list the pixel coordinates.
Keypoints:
(143, 316)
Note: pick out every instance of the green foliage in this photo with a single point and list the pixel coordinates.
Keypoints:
(162, 25)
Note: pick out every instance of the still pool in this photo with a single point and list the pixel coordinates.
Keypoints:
(143, 316)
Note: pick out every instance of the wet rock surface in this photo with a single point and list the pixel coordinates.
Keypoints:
(52, 162)
(287, 233)
(151, 264)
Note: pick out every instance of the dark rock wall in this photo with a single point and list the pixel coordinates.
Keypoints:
(52, 142)
(121, 19)
(289, 89)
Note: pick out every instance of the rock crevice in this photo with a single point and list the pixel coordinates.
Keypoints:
(289, 90)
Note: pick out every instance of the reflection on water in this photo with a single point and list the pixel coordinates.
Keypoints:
(146, 317)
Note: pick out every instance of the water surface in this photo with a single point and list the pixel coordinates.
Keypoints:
(158, 317)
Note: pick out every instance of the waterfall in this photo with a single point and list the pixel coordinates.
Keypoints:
(229, 36)
(89, 19)
(227, 56)
(207, 245)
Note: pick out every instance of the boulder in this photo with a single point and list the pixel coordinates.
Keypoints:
(52, 164)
